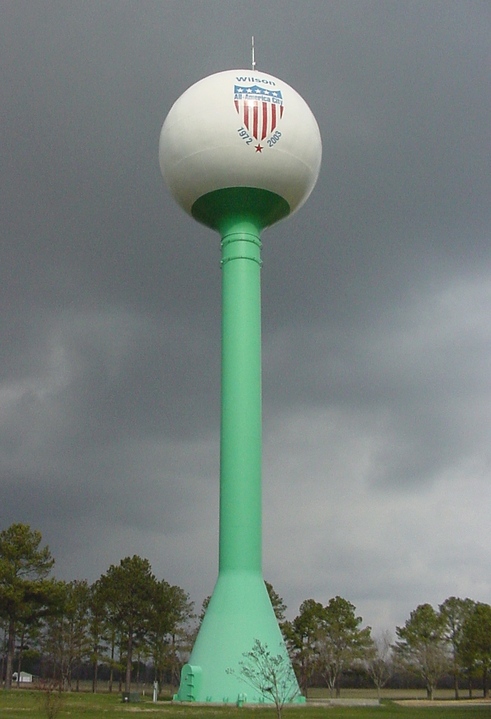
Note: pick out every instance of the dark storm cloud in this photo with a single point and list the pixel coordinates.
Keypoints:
(402, 97)
(376, 297)
(418, 370)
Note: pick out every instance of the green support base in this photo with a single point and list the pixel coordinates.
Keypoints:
(239, 612)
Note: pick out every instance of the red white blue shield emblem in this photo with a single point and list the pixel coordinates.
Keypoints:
(260, 109)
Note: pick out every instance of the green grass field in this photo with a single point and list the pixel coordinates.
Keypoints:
(19, 704)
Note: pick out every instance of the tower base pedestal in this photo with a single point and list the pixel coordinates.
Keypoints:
(238, 615)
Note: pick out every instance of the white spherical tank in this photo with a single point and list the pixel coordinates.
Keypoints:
(240, 128)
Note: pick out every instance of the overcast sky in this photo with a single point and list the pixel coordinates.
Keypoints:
(376, 298)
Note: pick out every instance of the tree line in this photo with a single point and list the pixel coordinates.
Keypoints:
(453, 640)
(128, 620)
(70, 626)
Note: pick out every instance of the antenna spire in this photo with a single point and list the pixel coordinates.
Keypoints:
(253, 54)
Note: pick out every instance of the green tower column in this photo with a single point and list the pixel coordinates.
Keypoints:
(240, 446)
(240, 610)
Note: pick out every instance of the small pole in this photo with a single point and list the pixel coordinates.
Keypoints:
(253, 54)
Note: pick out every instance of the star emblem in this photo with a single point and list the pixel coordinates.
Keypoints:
(259, 148)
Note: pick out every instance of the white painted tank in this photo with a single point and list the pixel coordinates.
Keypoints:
(240, 128)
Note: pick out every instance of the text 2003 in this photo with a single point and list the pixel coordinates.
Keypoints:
(274, 138)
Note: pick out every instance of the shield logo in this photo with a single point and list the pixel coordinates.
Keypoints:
(260, 109)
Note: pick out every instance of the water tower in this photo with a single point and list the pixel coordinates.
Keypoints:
(239, 151)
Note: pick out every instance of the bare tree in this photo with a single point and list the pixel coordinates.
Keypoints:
(270, 675)
(52, 698)
(379, 663)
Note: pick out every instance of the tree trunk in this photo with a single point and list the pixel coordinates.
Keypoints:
(485, 687)
(138, 671)
(304, 677)
(127, 686)
(94, 675)
(19, 659)
(10, 655)
(111, 672)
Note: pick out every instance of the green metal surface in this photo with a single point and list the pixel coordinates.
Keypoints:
(240, 610)
(240, 207)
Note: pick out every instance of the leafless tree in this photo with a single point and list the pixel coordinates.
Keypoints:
(379, 663)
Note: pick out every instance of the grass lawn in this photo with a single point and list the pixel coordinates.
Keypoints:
(25, 703)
